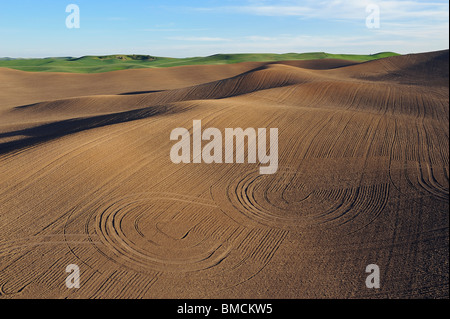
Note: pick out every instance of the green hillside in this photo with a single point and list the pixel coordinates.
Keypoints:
(98, 64)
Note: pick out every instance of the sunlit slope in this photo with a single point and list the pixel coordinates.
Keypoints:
(363, 178)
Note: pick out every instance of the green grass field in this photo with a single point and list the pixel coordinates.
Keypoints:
(99, 64)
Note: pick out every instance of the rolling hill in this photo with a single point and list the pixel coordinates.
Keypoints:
(363, 178)
(100, 64)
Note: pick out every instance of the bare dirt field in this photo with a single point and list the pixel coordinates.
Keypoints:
(363, 178)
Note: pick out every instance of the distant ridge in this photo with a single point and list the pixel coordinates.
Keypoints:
(363, 176)
(100, 64)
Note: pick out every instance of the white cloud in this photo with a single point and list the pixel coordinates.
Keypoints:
(339, 9)
(364, 44)
(199, 39)
(257, 38)
(415, 21)
(276, 10)
(170, 30)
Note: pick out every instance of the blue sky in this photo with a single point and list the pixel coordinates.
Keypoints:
(30, 28)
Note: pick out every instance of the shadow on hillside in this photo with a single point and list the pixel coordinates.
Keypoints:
(48, 132)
